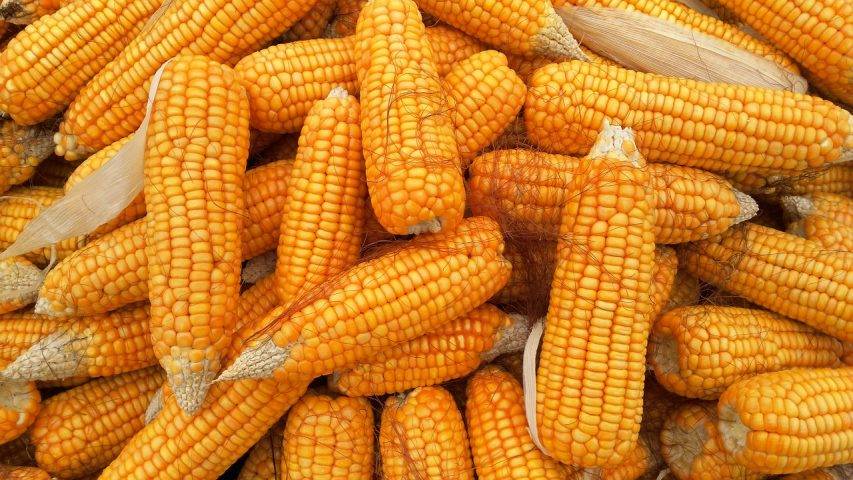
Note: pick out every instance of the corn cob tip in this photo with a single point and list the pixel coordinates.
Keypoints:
(189, 387)
(733, 431)
(427, 226)
(19, 282)
(154, 407)
(796, 206)
(44, 306)
(510, 338)
(556, 41)
(613, 138)
(748, 206)
(255, 362)
(54, 357)
(339, 93)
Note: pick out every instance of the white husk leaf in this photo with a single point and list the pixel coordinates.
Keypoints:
(96, 199)
(645, 43)
(528, 369)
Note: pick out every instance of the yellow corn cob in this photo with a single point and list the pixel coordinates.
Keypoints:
(19, 283)
(112, 271)
(833, 206)
(45, 66)
(526, 191)
(222, 30)
(383, 301)
(816, 34)
(781, 272)
(524, 65)
(44, 348)
(673, 11)
(20, 205)
(450, 46)
(692, 447)
(699, 351)
(23, 473)
(81, 430)
(19, 405)
(640, 461)
(422, 437)
(24, 12)
(663, 280)
(264, 458)
(828, 233)
(17, 452)
(410, 150)
(729, 128)
(838, 472)
(685, 291)
(847, 353)
(525, 27)
(485, 96)
(829, 179)
(195, 205)
(323, 219)
(346, 15)
(789, 421)
(329, 438)
(497, 427)
(255, 303)
(451, 351)
(589, 415)
(22, 149)
(313, 24)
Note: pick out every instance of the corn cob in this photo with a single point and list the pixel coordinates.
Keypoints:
(23, 473)
(640, 461)
(422, 437)
(826, 232)
(19, 283)
(346, 15)
(796, 278)
(451, 351)
(22, 149)
(838, 472)
(44, 348)
(17, 452)
(313, 24)
(19, 405)
(816, 34)
(685, 291)
(789, 421)
(526, 191)
(25, 12)
(330, 438)
(412, 160)
(323, 219)
(829, 179)
(111, 409)
(728, 128)
(838, 208)
(524, 65)
(484, 96)
(222, 30)
(385, 302)
(699, 351)
(663, 280)
(450, 46)
(497, 427)
(692, 447)
(264, 458)
(48, 63)
(255, 303)
(20, 205)
(525, 27)
(195, 206)
(112, 271)
(599, 291)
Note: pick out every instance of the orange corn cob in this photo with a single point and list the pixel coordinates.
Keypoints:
(692, 447)
(525, 27)
(816, 34)
(833, 206)
(450, 46)
(826, 232)
(264, 458)
(195, 205)
(838, 472)
(830, 179)
(524, 65)
(663, 280)
(789, 421)
(600, 289)
(346, 15)
(222, 30)
(111, 409)
(729, 128)
(313, 24)
(19, 283)
(45, 66)
(255, 303)
(781, 272)
(24, 12)
(23, 473)
(527, 190)
(112, 271)
(410, 150)
(685, 291)
(44, 348)
(323, 219)
(422, 437)
(330, 438)
(699, 351)
(451, 351)
(22, 149)
(497, 427)
(19, 405)
(485, 96)
(674, 11)
(393, 298)
(640, 461)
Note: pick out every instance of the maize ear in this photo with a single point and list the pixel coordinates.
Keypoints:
(640, 461)
(838, 472)
(663, 280)
(826, 232)
(19, 405)
(830, 179)
(450, 46)
(346, 15)
(313, 24)
(19, 283)
(838, 208)
(685, 291)
(22, 149)
(524, 65)
(264, 458)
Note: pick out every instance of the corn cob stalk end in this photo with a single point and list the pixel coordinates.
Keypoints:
(748, 207)
(258, 361)
(733, 431)
(797, 206)
(19, 283)
(510, 338)
(54, 357)
(154, 407)
(188, 385)
(44, 306)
